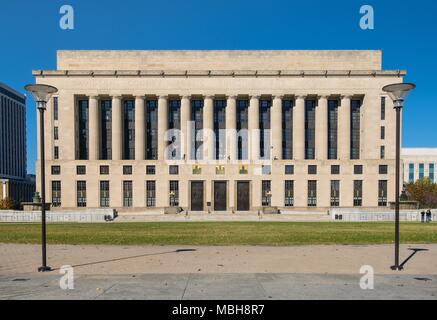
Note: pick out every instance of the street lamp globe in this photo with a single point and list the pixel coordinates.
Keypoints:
(41, 93)
(398, 92)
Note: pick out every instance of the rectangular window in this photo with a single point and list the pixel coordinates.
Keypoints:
(431, 172)
(106, 129)
(80, 170)
(56, 170)
(129, 130)
(127, 170)
(421, 171)
(312, 193)
(382, 193)
(335, 193)
(152, 130)
(150, 170)
(242, 127)
(150, 194)
(358, 169)
(56, 153)
(264, 127)
(174, 127)
(411, 172)
(219, 129)
(355, 129)
(266, 195)
(81, 194)
(289, 169)
(335, 169)
(382, 133)
(104, 170)
(197, 119)
(55, 109)
(266, 170)
(332, 129)
(173, 170)
(56, 194)
(127, 194)
(383, 169)
(55, 133)
(310, 129)
(104, 194)
(382, 108)
(174, 193)
(82, 146)
(289, 193)
(312, 169)
(358, 193)
(287, 129)
(382, 152)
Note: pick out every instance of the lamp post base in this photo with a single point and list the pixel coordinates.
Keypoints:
(397, 268)
(44, 269)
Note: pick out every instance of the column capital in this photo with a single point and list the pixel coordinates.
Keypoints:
(232, 97)
(93, 96)
(163, 96)
(278, 96)
(255, 96)
(117, 97)
(300, 96)
(208, 96)
(140, 97)
(323, 96)
(186, 97)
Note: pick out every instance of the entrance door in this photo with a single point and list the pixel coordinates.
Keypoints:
(197, 196)
(243, 196)
(220, 202)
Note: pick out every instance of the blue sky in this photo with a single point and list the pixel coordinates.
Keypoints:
(405, 31)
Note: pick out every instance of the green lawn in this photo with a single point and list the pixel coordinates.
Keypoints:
(219, 233)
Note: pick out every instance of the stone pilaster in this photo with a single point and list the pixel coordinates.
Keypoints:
(117, 128)
(231, 128)
(254, 138)
(344, 127)
(276, 127)
(140, 130)
(185, 127)
(208, 129)
(322, 128)
(299, 128)
(162, 126)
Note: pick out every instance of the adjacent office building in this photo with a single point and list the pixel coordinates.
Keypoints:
(419, 163)
(15, 187)
(297, 130)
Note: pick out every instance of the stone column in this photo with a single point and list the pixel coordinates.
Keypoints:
(185, 127)
(254, 138)
(117, 128)
(140, 130)
(162, 126)
(299, 129)
(208, 129)
(231, 128)
(322, 128)
(344, 128)
(276, 127)
(94, 125)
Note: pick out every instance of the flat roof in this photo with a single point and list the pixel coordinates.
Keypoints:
(424, 152)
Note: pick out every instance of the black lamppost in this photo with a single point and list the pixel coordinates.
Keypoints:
(398, 92)
(42, 93)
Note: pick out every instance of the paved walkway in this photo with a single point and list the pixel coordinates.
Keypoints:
(170, 272)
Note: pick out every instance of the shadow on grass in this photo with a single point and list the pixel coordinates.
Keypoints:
(129, 258)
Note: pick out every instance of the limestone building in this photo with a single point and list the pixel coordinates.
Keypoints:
(220, 131)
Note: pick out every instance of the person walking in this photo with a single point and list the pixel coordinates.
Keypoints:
(422, 216)
(428, 216)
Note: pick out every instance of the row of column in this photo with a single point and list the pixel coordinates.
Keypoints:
(344, 132)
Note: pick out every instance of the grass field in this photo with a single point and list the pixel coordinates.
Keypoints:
(219, 233)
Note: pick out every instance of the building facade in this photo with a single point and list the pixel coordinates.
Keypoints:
(220, 131)
(419, 163)
(14, 185)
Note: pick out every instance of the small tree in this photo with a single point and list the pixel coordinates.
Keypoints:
(424, 191)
